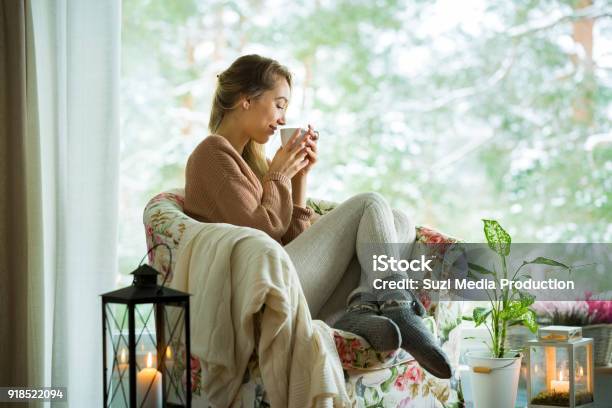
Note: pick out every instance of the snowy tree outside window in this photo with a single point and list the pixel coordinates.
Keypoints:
(454, 111)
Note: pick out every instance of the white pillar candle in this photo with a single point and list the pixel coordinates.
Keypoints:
(149, 379)
(560, 385)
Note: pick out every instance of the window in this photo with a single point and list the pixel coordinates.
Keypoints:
(453, 111)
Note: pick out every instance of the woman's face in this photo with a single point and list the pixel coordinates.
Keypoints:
(267, 112)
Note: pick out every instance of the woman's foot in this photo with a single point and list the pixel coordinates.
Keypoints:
(362, 319)
(417, 339)
(406, 311)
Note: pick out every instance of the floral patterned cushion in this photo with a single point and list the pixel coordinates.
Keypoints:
(165, 223)
(402, 386)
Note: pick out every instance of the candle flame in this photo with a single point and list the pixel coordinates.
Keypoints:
(581, 371)
(168, 353)
(536, 368)
(123, 356)
(149, 360)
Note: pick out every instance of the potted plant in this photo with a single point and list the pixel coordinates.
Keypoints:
(495, 373)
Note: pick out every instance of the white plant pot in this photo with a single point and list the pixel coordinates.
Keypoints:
(495, 382)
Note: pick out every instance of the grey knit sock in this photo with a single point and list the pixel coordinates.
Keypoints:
(383, 295)
(403, 308)
(362, 318)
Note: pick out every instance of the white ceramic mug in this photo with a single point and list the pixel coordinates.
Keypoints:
(287, 132)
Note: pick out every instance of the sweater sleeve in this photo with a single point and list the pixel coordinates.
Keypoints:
(222, 185)
(300, 221)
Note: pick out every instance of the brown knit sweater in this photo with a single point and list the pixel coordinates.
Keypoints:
(221, 187)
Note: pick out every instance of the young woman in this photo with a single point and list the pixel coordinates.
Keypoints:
(229, 180)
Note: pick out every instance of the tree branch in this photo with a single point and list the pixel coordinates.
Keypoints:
(592, 13)
(463, 93)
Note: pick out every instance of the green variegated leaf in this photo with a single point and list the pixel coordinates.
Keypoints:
(480, 269)
(528, 319)
(497, 238)
(472, 276)
(546, 261)
(514, 310)
(526, 299)
(480, 314)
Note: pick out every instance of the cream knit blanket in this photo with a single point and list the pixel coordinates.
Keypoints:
(232, 272)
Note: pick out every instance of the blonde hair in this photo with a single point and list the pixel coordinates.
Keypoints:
(249, 75)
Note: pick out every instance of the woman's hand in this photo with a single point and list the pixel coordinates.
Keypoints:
(291, 158)
(311, 151)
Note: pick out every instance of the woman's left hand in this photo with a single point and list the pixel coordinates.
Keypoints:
(311, 151)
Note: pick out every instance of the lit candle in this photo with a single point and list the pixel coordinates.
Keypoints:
(580, 378)
(141, 357)
(169, 360)
(120, 368)
(123, 364)
(560, 385)
(149, 379)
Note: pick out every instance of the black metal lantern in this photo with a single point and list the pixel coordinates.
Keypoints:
(146, 344)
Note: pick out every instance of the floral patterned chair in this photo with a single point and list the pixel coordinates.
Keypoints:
(373, 379)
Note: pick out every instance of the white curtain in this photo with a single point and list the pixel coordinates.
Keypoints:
(77, 48)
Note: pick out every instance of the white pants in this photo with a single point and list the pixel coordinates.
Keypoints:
(328, 256)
